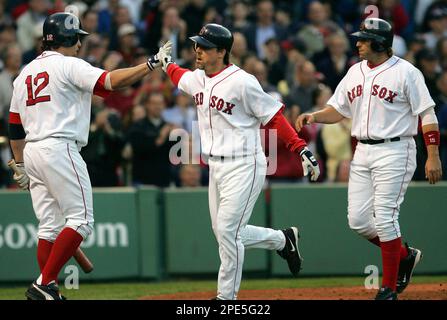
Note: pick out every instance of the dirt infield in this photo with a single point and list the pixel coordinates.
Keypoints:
(436, 291)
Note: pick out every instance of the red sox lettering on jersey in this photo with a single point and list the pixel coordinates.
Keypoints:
(215, 102)
(377, 90)
(383, 101)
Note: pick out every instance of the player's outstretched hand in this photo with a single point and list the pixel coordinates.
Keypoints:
(303, 119)
(155, 61)
(433, 169)
(21, 177)
(165, 58)
(310, 164)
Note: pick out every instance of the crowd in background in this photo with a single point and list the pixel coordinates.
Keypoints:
(298, 50)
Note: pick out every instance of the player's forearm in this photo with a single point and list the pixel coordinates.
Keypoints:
(17, 149)
(432, 149)
(328, 115)
(121, 78)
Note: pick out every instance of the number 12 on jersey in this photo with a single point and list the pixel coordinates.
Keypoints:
(33, 97)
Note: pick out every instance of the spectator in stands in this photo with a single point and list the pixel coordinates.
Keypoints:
(212, 16)
(127, 43)
(103, 152)
(12, 57)
(442, 118)
(193, 15)
(36, 13)
(239, 50)
(427, 61)
(30, 55)
(95, 49)
(441, 51)
(237, 20)
(306, 83)
(7, 38)
(275, 61)
(264, 29)
(190, 175)
(437, 22)
(260, 72)
(335, 61)
(320, 26)
(121, 100)
(416, 44)
(173, 29)
(90, 21)
(394, 12)
(294, 49)
(121, 17)
(336, 140)
(150, 143)
(105, 16)
(183, 113)
(5, 18)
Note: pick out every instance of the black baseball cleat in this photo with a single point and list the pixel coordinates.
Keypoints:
(290, 251)
(406, 268)
(44, 292)
(386, 293)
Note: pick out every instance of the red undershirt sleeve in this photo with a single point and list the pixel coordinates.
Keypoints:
(99, 89)
(285, 132)
(175, 73)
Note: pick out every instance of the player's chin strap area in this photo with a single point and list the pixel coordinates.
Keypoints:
(309, 163)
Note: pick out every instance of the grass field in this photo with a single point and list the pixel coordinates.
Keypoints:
(135, 290)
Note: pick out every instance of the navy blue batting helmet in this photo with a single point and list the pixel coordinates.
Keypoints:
(378, 31)
(214, 35)
(62, 29)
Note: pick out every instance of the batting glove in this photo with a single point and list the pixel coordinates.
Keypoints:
(309, 163)
(21, 177)
(166, 59)
(155, 61)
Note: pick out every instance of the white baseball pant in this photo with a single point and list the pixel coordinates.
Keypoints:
(60, 187)
(234, 187)
(378, 180)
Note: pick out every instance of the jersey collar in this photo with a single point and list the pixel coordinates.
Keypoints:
(218, 72)
(49, 53)
(374, 68)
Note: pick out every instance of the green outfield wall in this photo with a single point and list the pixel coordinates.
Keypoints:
(190, 243)
(155, 234)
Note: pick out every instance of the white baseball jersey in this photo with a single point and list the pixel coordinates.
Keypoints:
(53, 95)
(231, 106)
(384, 102)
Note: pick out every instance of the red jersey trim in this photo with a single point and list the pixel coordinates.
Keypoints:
(14, 118)
(100, 89)
(175, 73)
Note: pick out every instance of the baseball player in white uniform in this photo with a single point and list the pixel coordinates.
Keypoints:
(231, 107)
(49, 124)
(384, 95)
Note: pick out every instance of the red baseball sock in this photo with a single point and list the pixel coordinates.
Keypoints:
(403, 249)
(43, 252)
(63, 249)
(390, 261)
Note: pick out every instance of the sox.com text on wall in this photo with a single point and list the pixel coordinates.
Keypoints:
(107, 234)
